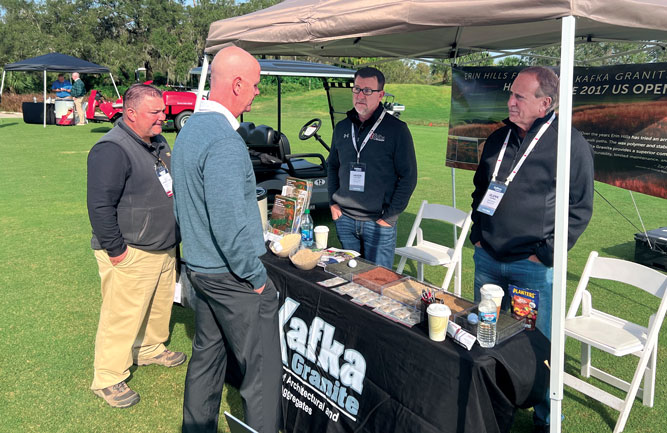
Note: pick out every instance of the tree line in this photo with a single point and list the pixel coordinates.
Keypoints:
(167, 37)
(164, 36)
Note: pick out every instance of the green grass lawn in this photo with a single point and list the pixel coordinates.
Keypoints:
(51, 297)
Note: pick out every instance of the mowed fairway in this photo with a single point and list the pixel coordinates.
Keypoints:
(50, 295)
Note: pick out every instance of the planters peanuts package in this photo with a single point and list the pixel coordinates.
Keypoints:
(525, 304)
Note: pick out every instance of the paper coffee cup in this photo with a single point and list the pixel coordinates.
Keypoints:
(438, 318)
(321, 237)
(496, 292)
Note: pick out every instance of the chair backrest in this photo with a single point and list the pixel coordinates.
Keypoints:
(439, 212)
(643, 277)
(442, 212)
(623, 271)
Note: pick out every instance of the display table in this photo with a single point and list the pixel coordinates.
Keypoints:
(348, 369)
(33, 112)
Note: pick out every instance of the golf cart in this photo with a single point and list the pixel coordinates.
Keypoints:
(393, 108)
(269, 149)
(179, 106)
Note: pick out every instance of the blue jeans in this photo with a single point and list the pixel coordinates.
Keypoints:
(524, 274)
(376, 243)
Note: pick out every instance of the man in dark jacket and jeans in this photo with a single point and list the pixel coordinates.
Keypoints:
(372, 172)
(514, 198)
(130, 206)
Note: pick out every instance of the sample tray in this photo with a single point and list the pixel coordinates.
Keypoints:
(378, 278)
(344, 271)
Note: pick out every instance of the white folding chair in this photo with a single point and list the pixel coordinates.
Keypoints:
(615, 335)
(432, 254)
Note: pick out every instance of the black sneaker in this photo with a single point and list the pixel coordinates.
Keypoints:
(119, 395)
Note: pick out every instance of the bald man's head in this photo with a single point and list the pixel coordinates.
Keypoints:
(234, 79)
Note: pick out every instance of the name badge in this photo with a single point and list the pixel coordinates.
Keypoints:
(165, 179)
(357, 176)
(492, 198)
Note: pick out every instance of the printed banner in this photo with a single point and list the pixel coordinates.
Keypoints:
(621, 110)
(322, 379)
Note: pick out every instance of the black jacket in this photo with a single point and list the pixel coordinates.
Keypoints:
(126, 202)
(391, 168)
(523, 224)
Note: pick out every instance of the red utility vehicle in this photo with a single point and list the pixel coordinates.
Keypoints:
(179, 107)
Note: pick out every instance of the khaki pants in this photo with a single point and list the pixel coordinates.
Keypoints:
(137, 296)
(79, 110)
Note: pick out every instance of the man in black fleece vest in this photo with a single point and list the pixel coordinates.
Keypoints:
(130, 207)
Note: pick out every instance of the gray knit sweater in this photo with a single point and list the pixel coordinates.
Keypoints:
(216, 201)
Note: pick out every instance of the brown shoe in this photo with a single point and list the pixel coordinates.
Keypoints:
(166, 358)
(119, 395)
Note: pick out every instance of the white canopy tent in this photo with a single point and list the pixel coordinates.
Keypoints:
(431, 28)
(446, 29)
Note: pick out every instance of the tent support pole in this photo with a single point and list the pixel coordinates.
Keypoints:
(114, 85)
(561, 226)
(2, 85)
(454, 199)
(280, 94)
(44, 98)
(202, 82)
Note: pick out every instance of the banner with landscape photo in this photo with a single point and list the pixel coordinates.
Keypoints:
(621, 110)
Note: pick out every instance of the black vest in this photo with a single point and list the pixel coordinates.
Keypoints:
(145, 213)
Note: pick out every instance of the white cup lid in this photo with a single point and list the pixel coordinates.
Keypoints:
(321, 229)
(440, 310)
(492, 290)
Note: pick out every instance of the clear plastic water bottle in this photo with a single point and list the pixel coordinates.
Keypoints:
(307, 229)
(488, 317)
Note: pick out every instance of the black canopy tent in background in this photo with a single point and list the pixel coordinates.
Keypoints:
(55, 62)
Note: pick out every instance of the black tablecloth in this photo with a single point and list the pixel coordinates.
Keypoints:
(348, 369)
(33, 112)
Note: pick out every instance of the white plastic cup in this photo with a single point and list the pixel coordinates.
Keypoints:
(496, 292)
(438, 319)
(321, 237)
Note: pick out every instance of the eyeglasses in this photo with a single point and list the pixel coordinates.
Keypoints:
(366, 90)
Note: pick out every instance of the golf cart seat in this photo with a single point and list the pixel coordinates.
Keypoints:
(267, 150)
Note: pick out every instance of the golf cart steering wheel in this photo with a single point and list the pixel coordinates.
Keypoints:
(310, 128)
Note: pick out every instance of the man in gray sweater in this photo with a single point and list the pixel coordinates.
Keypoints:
(216, 209)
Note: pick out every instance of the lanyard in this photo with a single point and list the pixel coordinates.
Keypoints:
(368, 136)
(525, 154)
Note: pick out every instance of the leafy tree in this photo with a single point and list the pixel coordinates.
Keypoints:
(165, 37)
(441, 71)
(599, 54)
(511, 61)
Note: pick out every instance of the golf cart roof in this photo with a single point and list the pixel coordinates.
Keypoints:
(297, 68)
